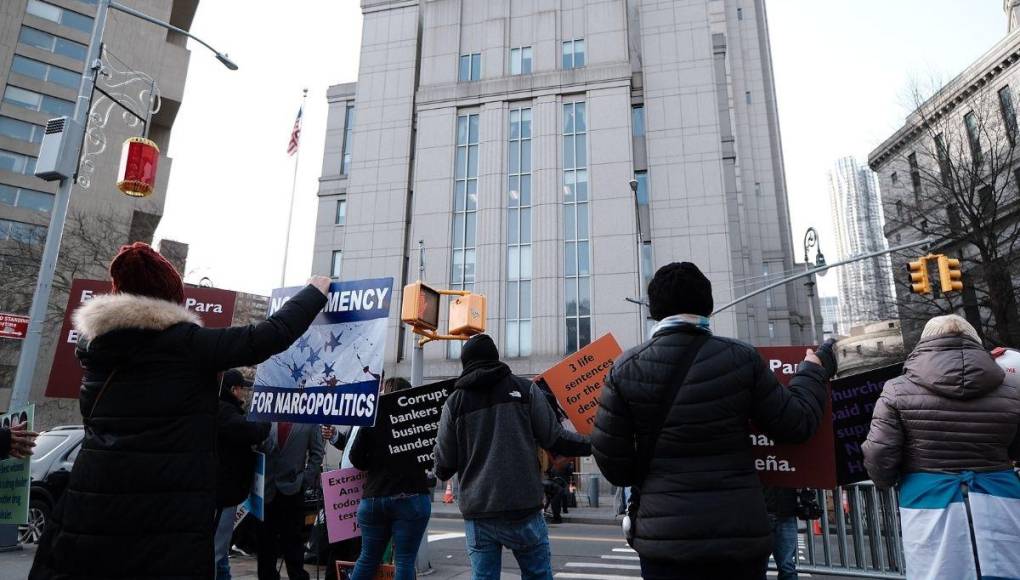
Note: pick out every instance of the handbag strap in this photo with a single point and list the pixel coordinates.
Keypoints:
(101, 391)
(669, 396)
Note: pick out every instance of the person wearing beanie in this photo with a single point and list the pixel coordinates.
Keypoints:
(673, 424)
(141, 497)
(490, 432)
(236, 438)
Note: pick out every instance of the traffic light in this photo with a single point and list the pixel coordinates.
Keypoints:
(420, 307)
(467, 315)
(919, 283)
(950, 275)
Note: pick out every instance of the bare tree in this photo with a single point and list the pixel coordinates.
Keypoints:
(959, 186)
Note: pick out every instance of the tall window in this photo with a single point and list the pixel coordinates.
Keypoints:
(470, 67)
(52, 43)
(577, 253)
(573, 54)
(943, 156)
(520, 61)
(17, 162)
(45, 72)
(38, 102)
(518, 291)
(345, 154)
(21, 130)
(465, 209)
(637, 120)
(59, 15)
(915, 177)
(1008, 112)
(26, 198)
(341, 212)
(973, 137)
(337, 264)
(21, 232)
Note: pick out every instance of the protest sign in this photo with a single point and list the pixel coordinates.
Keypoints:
(214, 306)
(13, 326)
(331, 374)
(255, 502)
(408, 423)
(341, 494)
(853, 402)
(577, 380)
(810, 464)
(15, 474)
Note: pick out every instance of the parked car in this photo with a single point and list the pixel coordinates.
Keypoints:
(52, 459)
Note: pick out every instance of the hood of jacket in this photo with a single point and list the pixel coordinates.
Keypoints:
(955, 367)
(114, 327)
(482, 374)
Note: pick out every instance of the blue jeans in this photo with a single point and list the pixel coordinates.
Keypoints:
(527, 538)
(224, 533)
(784, 546)
(403, 518)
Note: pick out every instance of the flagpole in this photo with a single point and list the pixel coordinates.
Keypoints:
(293, 189)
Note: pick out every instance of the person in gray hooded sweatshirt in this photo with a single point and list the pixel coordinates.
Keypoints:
(489, 434)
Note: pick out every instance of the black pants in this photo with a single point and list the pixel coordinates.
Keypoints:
(282, 531)
(736, 570)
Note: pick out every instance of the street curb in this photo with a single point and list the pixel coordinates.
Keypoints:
(567, 519)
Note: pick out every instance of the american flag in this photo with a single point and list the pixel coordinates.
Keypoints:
(295, 135)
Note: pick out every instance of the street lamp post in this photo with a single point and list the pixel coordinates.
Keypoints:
(811, 241)
(640, 269)
(28, 358)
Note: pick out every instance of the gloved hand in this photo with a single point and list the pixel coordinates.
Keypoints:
(827, 355)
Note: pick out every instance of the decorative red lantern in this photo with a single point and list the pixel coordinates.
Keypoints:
(139, 160)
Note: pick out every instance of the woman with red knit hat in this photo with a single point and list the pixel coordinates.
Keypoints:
(141, 497)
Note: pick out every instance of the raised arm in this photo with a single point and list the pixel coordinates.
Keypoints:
(792, 415)
(549, 432)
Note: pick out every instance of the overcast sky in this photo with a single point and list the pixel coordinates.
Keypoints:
(842, 68)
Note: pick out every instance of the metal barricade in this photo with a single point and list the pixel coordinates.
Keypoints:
(858, 534)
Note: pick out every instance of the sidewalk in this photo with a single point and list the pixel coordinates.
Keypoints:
(602, 515)
(17, 563)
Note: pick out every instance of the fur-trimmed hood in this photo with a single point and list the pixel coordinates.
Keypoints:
(110, 312)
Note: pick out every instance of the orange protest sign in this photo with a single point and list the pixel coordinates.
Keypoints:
(576, 381)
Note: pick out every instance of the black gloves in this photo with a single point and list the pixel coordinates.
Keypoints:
(827, 355)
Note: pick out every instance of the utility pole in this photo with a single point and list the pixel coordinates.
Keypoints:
(418, 349)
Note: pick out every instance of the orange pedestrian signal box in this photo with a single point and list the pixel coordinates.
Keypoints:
(467, 315)
(420, 307)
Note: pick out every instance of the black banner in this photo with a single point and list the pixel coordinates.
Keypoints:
(853, 402)
(408, 423)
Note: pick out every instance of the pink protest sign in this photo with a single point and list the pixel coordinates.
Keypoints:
(341, 494)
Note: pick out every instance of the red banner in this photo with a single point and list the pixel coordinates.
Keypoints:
(811, 464)
(214, 306)
(13, 326)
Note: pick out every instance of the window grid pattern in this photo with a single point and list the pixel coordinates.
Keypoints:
(60, 15)
(345, 156)
(45, 72)
(17, 162)
(26, 198)
(520, 60)
(336, 264)
(470, 67)
(577, 251)
(34, 101)
(51, 43)
(574, 54)
(21, 130)
(341, 212)
(465, 210)
(519, 256)
(1008, 112)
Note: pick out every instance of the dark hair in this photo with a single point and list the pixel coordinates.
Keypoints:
(395, 384)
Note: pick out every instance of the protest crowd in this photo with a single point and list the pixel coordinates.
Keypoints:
(169, 453)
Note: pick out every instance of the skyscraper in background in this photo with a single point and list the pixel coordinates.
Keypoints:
(866, 292)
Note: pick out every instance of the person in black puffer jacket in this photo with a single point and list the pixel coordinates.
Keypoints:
(701, 510)
(235, 437)
(142, 492)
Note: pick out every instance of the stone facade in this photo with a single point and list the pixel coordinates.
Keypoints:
(53, 34)
(518, 184)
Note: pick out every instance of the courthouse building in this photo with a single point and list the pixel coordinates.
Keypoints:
(504, 135)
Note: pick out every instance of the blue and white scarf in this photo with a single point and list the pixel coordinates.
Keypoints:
(680, 320)
(937, 528)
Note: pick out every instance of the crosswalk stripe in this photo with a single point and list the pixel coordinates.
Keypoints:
(441, 537)
(603, 566)
(620, 558)
(593, 576)
(628, 550)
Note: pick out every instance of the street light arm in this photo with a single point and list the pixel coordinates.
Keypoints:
(219, 55)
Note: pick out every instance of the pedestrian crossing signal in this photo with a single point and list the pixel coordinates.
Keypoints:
(950, 275)
(467, 315)
(420, 307)
(919, 282)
